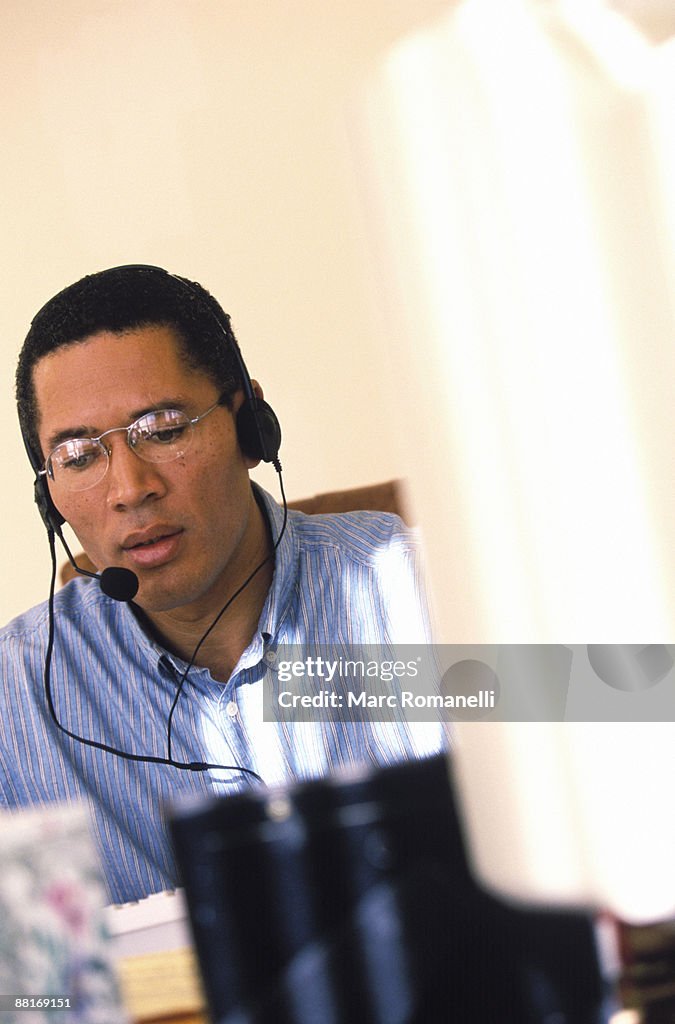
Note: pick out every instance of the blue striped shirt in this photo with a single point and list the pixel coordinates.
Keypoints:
(338, 579)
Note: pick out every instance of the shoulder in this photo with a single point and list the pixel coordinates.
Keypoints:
(367, 538)
(73, 605)
(367, 567)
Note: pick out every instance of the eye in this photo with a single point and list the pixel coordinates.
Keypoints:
(161, 428)
(79, 462)
(75, 456)
(165, 435)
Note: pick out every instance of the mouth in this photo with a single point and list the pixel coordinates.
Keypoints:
(152, 548)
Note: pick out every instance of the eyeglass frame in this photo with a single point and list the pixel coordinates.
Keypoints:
(191, 422)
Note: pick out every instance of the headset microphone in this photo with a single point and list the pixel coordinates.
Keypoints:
(115, 582)
(118, 583)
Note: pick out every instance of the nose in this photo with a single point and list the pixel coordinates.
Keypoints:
(131, 481)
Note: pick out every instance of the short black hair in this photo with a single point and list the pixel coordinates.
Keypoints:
(123, 299)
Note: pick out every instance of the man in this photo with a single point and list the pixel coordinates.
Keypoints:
(142, 425)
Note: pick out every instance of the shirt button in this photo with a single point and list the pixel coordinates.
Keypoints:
(270, 657)
(232, 709)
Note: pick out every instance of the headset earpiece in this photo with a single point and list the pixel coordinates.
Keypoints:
(258, 430)
(49, 513)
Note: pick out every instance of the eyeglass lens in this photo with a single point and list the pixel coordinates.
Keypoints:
(82, 462)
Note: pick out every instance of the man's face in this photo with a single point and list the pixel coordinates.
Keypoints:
(181, 526)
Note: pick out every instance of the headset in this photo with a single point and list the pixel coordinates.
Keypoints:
(258, 429)
(259, 437)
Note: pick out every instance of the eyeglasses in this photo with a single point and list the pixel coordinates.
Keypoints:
(159, 436)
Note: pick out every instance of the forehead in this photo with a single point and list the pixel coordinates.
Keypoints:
(108, 377)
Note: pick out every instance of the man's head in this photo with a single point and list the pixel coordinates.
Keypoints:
(118, 300)
(109, 352)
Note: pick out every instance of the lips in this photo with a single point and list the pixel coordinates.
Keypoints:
(148, 549)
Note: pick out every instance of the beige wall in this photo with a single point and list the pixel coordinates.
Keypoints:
(211, 137)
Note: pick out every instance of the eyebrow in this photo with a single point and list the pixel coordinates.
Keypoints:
(70, 433)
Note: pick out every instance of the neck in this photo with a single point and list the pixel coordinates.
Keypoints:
(181, 630)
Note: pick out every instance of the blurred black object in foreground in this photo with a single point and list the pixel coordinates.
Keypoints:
(351, 902)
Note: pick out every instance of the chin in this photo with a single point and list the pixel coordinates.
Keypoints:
(155, 596)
